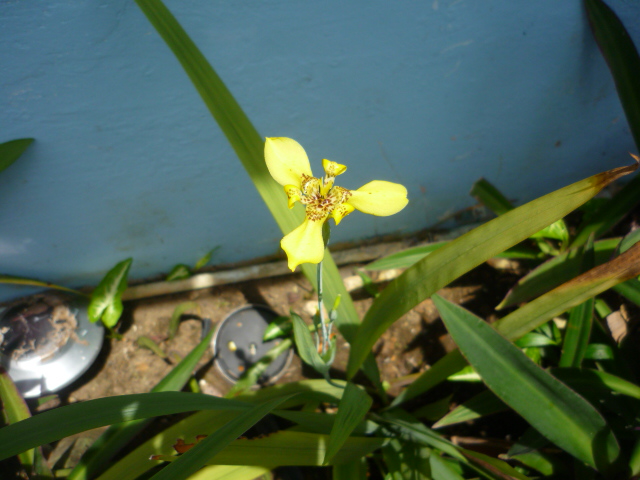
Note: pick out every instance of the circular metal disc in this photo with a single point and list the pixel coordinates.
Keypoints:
(46, 343)
(238, 343)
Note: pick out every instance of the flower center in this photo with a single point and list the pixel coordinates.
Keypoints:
(318, 205)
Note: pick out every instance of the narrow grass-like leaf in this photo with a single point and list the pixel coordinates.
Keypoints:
(117, 436)
(79, 417)
(621, 55)
(578, 329)
(556, 271)
(536, 313)
(15, 409)
(405, 258)
(406, 460)
(205, 258)
(552, 408)
(180, 310)
(307, 348)
(13, 280)
(137, 462)
(410, 428)
(106, 299)
(293, 448)
(190, 462)
(441, 469)
(279, 327)
(466, 252)
(249, 148)
(587, 379)
(493, 467)
(577, 334)
(486, 193)
(629, 290)
(435, 410)
(356, 470)
(230, 472)
(354, 405)
(483, 404)
(10, 151)
(251, 376)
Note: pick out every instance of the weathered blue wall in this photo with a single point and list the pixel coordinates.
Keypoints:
(433, 94)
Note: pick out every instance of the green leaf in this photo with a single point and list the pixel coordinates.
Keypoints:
(483, 404)
(583, 379)
(466, 252)
(206, 258)
(629, 290)
(280, 327)
(491, 197)
(180, 310)
(435, 410)
(293, 448)
(106, 299)
(354, 405)
(410, 428)
(621, 55)
(556, 271)
(405, 258)
(179, 272)
(578, 329)
(194, 459)
(251, 376)
(64, 421)
(249, 147)
(356, 470)
(15, 409)
(230, 472)
(553, 409)
(307, 348)
(137, 462)
(13, 280)
(442, 470)
(117, 436)
(11, 151)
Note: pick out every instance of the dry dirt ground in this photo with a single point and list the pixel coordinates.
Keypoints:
(413, 343)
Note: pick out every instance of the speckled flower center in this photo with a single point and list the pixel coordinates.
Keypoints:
(319, 206)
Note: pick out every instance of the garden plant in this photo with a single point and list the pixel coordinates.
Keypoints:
(551, 360)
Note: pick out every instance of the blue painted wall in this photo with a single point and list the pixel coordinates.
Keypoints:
(432, 94)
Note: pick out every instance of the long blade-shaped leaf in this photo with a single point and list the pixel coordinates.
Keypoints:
(249, 148)
(208, 448)
(62, 422)
(551, 407)
(117, 436)
(623, 60)
(354, 405)
(13, 280)
(468, 251)
(15, 409)
(11, 151)
(556, 271)
(537, 312)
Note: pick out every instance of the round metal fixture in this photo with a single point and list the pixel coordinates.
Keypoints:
(238, 344)
(47, 342)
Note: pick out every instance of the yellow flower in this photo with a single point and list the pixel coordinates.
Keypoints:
(289, 166)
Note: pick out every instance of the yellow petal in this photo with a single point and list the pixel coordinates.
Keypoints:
(286, 160)
(333, 169)
(379, 198)
(293, 194)
(304, 244)
(341, 211)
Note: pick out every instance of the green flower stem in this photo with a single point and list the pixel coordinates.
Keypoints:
(325, 330)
